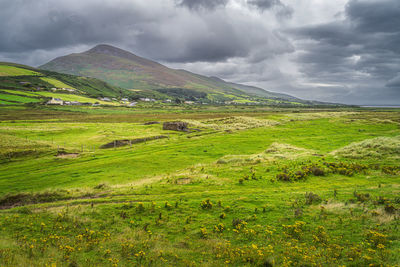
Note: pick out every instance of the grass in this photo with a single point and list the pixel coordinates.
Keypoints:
(18, 96)
(207, 198)
(2, 102)
(19, 92)
(17, 99)
(15, 71)
(376, 148)
(56, 83)
(73, 97)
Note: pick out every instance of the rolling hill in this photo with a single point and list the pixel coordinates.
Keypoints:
(124, 69)
(21, 84)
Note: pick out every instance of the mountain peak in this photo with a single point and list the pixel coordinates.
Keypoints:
(108, 50)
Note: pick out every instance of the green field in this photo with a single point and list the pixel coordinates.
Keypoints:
(73, 97)
(248, 187)
(56, 83)
(17, 98)
(19, 92)
(15, 71)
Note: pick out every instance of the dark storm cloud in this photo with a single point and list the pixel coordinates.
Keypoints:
(207, 4)
(29, 25)
(338, 52)
(264, 4)
(283, 11)
(375, 16)
(160, 30)
(360, 52)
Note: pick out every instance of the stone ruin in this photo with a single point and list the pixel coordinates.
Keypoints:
(176, 126)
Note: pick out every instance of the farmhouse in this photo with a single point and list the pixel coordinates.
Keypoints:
(132, 104)
(55, 101)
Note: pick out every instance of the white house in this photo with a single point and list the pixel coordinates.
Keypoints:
(55, 101)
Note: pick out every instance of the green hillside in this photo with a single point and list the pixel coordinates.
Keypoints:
(20, 84)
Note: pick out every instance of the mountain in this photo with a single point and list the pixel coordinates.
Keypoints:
(124, 69)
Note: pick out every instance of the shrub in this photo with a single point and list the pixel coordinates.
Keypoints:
(390, 208)
(392, 170)
(206, 204)
(283, 177)
(376, 238)
(361, 197)
(295, 230)
(219, 228)
(167, 205)
(381, 200)
(101, 186)
(238, 223)
(317, 171)
(312, 198)
(140, 207)
(203, 232)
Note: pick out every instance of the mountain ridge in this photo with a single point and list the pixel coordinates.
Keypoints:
(127, 70)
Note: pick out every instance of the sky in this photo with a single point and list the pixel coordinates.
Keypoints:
(345, 51)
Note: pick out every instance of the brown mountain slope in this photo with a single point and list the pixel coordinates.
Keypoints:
(122, 68)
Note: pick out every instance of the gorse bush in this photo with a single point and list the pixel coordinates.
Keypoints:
(312, 198)
(140, 207)
(219, 228)
(167, 205)
(361, 197)
(206, 204)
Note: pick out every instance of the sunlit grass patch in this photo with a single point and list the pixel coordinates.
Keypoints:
(379, 147)
(273, 152)
(15, 71)
(56, 83)
(12, 146)
(231, 123)
(17, 98)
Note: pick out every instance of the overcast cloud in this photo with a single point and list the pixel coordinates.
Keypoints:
(340, 51)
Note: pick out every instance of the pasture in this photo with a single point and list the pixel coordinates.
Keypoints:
(244, 187)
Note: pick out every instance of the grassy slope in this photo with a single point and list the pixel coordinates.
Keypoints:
(167, 155)
(56, 83)
(16, 71)
(116, 230)
(17, 98)
(46, 79)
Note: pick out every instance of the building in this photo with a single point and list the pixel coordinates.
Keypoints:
(105, 99)
(132, 104)
(55, 101)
